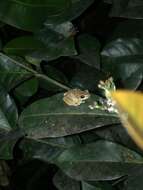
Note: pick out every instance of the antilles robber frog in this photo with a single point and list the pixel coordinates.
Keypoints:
(75, 97)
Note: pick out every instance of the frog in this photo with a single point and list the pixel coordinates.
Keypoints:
(75, 97)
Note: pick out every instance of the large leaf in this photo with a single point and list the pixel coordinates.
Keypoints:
(7, 144)
(24, 45)
(47, 149)
(87, 77)
(134, 181)
(130, 105)
(115, 133)
(87, 186)
(8, 107)
(4, 124)
(10, 73)
(102, 160)
(75, 10)
(54, 40)
(122, 58)
(40, 149)
(31, 15)
(54, 74)
(63, 182)
(58, 40)
(26, 89)
(51, 117)
(89, 48)
(127, 8)
(128, 29)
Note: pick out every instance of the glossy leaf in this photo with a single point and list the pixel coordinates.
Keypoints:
(134, 181)
(83, 80)
(4, 124)
(127, 9)
(7, 144)
(24, 15)
(116, 133)
(47, 149)
(76, 9)
(11, 74)
(51, 117)
(130, 107)
(87, 186)
(122, 58)
(102, 160)
(54, 74)
(56, 42)
(41, 149)
(128, 29)
(24, 45)
(89, 48)
(8, 107)
(26, 89)
(63, 182)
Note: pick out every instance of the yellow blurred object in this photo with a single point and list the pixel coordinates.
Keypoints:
(130, 107)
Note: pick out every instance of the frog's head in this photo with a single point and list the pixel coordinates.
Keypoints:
(84, 94)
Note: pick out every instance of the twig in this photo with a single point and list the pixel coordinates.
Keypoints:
(36, 74)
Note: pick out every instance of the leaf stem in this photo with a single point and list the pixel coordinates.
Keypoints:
(36, 74)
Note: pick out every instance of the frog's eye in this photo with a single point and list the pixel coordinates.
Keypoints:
(82, 96)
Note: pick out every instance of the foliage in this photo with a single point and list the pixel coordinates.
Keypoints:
(48, 47)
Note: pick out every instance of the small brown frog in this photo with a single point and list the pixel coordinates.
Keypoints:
(75, 97)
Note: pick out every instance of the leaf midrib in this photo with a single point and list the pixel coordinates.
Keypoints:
(74, 113)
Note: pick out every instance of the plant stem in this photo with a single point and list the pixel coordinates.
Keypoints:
(36, 74)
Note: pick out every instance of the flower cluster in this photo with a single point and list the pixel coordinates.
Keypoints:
(106, 104)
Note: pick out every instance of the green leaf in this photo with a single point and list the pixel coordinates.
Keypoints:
(128, 29)
(54, 74)
(134, 181)
(8, 107)
(83, 80)
(41, 149)
(7, 144)
(77, 7)
(115, 133)
(24, 45)
(63, 182)
(10, 73)
(26, 89)
(64, 29)
(122, 58)
(89, 48)
(102, 160)
(66, 142)
(56, 42)
(47, 149)
(87, 186)
(51, 117)
(4, 124)
(127, 9)
(24, 15)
